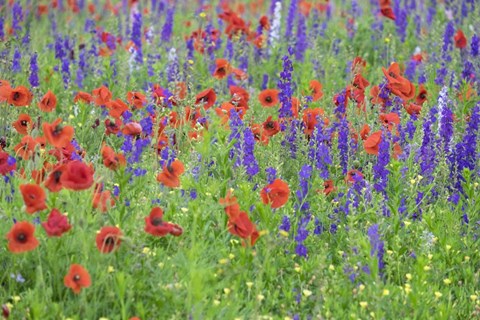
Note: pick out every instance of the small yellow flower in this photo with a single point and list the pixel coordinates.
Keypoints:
(363, 304)
(102, 318)
(438, 294)
(184, 210)
(16, 298)
(419, 177)
(387, 40)
(408, 276)
(227, 291)
(331, 267)
(466, 258)
(111, 269)
(223, 261)
(283, 233)
(389, 252)
(427, 268)
(361, 287)
(260, 297)
(203, 15)
(448, 247)
(231, 256)
(473, 297)
(249, 284)
(408, 288)
(412, 181)
(297, 268)
(263, 232)
(161, 265)
(407, 223)
(216, 302)
(447, 281)
(386, 292)
(146, 250)
(307, 293)
(430, 256)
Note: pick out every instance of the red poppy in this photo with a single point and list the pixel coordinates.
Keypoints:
(116, 107)
(132, 129)
(136, 99)
(239, 74)
(6, 166)
(360, 82)
(26, 147)
(240, 225)
(57, 135)
(276, 193)
(232, 208)
(155, 225)
(316, 89)
(328, 187)
(268, 97)
(34, 197)
(270, 127)
(421, 96)
(53, 182)
(264, 23)
(358, 64)
(259, 134)
(112, 127)
(23, 124)
(206, 98)
(169, 177)
(222, 69)
(19, 96)
(353, 176)
(365, 131)
(386, 9)
(102, 200)
(101, 95)
(372, 143)
(48, 102)
(460, 39)
(389, 120)
(84, 97)
(77, 278)
(21, 237)
(108, 239)
(225, 111)
(56, 224)
(375, 98)
(399, 85)
(4, 90)
(311, 118)
(77, 176)
(413, 109)
(112, 160)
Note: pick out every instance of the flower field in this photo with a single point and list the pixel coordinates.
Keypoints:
(282, 159)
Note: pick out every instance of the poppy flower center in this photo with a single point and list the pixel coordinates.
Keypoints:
(16, 96)
(22, 237)
(270, 125)
(109, 241)
(422, 96)
(76, 278)
(170, 168)
(393, 75)
(157, 222)
(204, 99)
(57, 131)
(23, 123)
(268, 99)
(221, 71)
(56, 176)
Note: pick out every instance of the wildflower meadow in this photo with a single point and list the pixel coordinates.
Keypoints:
(227, 159)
